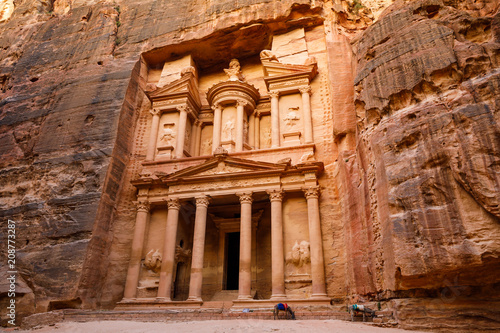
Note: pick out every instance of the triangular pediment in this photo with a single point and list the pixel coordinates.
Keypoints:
(224, 166)
(275, 68)
(185, 85)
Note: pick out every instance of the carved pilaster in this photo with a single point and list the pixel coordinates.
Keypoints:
(275, 195)
(274, 94)
(173, 203)
(311, 192)
(245, 198)
(142, 206)
(241, 102)
(202, 201)
(155, 112)
(305, 90)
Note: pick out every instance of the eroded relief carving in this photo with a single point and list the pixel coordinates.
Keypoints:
(187, 139)
(228, 131)
(182, 255)
(267, 137)
(292, 117)
(234, 71)
(206, 147)
(153, 260)
(301, 253)
(168, 134)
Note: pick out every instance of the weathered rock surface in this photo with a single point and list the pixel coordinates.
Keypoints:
(418, 180)
(422, 189)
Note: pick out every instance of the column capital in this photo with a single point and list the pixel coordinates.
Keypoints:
(183, 108)
(276, 195)
(197, 122)
(245, 197)
(202, 201)
(173, 203)
(241, 102)
(155, 112)
(142, 206)
(215, 106)
(305, 90)
(311, 192)
(274, 93)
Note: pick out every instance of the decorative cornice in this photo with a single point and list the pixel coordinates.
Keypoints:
(275, 195)
(245, 198)
(311, 192)
(202, 201)
(173, 203)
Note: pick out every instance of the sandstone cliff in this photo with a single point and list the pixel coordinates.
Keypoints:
(416, 126)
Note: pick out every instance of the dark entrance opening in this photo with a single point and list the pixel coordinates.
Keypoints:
(232, 260)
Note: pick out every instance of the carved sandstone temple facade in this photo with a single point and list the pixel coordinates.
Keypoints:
(228, 194)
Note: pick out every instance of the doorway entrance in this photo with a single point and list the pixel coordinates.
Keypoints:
(232, 262)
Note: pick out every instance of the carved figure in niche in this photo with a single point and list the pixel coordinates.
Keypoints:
(206, 147)
(291, 118)
(301, 254)
(307, 157)
(168, 135)
(268, 55)
(153, 260)
(228, 131)
(187, 139)
(234, 71)
(267, 137)
(245, 131)
(182, 255)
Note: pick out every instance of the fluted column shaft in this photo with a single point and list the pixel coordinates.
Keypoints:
(181, 133)
(217, 126)
(134, 267)
(245, 277)
(200, 223)
(167, 264)
(306, 107)
(153, 136)
(275, 119)
(316, 242)
(277, 253)
(240, 113)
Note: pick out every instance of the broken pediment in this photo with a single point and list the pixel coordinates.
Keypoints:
(186, 86)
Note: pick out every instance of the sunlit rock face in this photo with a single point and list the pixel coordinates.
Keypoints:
(405, 117)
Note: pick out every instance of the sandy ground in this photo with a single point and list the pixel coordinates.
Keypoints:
(217, 326)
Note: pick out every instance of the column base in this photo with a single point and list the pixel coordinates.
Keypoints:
(194, 299)
(245, 297)
(277, 297)
(319, 296)
(163, 299)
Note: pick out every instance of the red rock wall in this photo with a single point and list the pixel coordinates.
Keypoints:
(422, 191)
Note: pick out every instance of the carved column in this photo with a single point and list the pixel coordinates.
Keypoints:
(198, 249)
(245, 277)
(167, 265)
(240, 113)
(134, 267)
(181, 134)
(257, 130)
(306, 106)
(251, 130)
(153, 137)
(217, 126)
(277, 254)
(275, 119)
(316, 242)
